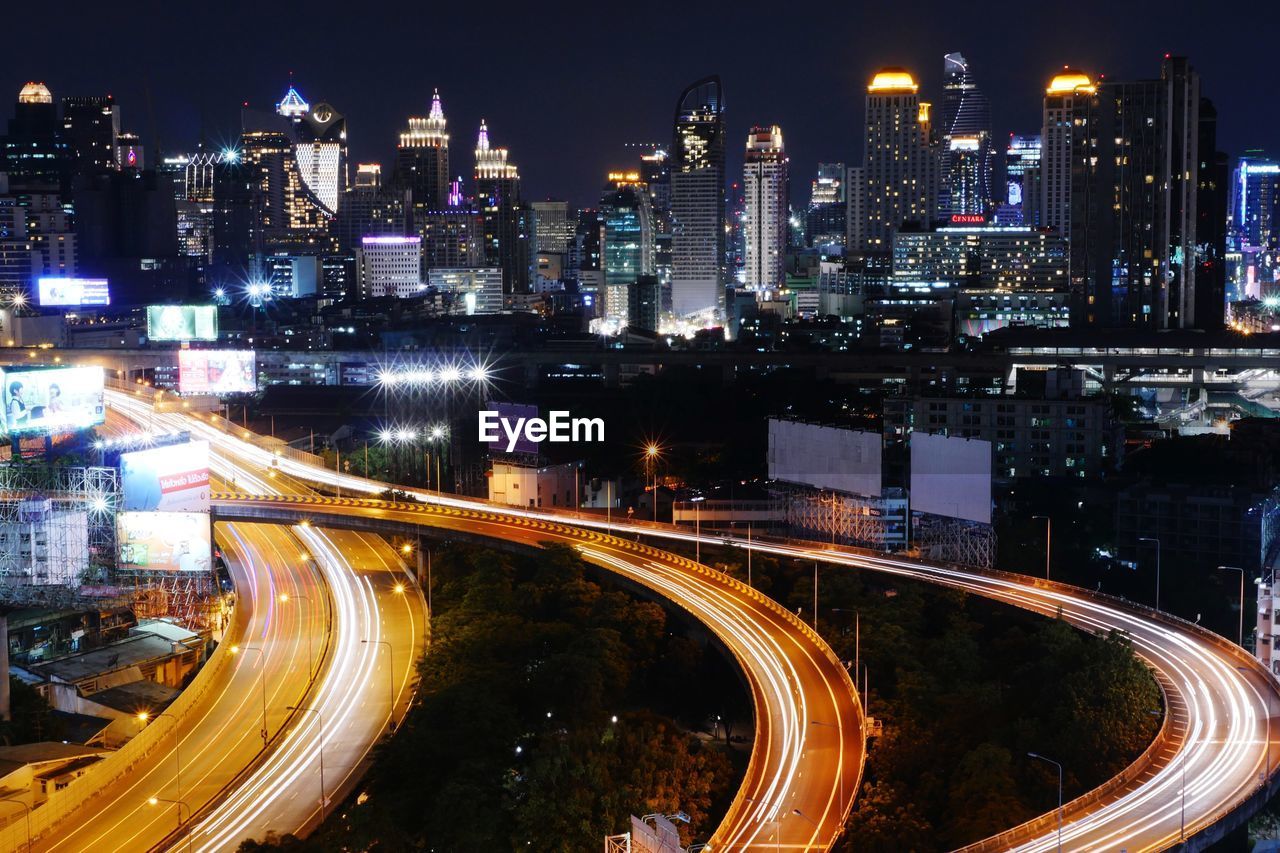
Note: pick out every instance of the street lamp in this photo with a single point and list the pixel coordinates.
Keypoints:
(319, 717)
(1157, 541)
(652, 453)
(154, 801)
(1040, 757)
(1240, 630)
(262, 677)
(144, 717)
(28, 808)
(1048, 541)
(391, 677)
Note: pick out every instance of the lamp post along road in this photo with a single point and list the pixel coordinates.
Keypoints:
(1059, 766)
(1157, 541)
(1240, 629)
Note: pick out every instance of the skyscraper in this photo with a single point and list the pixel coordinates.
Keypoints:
(966, 113)
(826, 219)
(422, 160)
(1211, 224)
(899, 178)
(91, 129)
(506, 232)
(35, 154)
(766, 190)
(1135, 174)
(1067, 92)
(1022, 180)
(628, 251)
(697, 201)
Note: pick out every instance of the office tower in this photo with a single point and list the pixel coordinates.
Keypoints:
(35, 154)
(476, 290)
(555, 226)
(735, 257)
(369, 209)
(826, 218)
(1211, 223)
(422, 159)
(1067, 94)
(628, 249)
(1134, 183)
(452, 238)
(388, 265)
(698, 202)
(192, 176)
(1021, 204)
(368, 176)
(644, 303)
(899, 181)
(320, 151)
(766, 192)
(655, 171)
(91, 129)
(966, 113)
(586, 256)
(506, 242)
(1255, 203)
(965, 169)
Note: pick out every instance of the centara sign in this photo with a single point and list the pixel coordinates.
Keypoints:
(559, 428)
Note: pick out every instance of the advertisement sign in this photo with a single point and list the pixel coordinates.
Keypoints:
(846, 460)
(57, 292)
(951, 476)
(182, 322)
(168, 479)
(164, 541)
(513, 413)
(208, 371)
(50, 400)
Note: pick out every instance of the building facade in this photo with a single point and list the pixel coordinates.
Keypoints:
(697, 167)
(766, 187)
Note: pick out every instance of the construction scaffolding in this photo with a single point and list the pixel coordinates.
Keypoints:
(842, 518)
(954, 540)
(191, 598)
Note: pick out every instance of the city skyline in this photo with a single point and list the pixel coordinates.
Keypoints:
(815, 97)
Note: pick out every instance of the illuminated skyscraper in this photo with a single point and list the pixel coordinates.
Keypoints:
(899, 179)
(826, 221)
(628, 250)
(422, 160)
(766, 190)
(1068, 92)
(35, 155)
(966, 113)
(1022, 180)
(697, 201)
(91, 129)
(507, 223)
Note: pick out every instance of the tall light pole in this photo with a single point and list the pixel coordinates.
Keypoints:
(1059, 766)
(1240, 630)
(651, 454)
(153, 801)
(391, 677)
(1048, 541)
(262, 678)
(28, 809)
(1157, 541)
(144, 716)
(776, 821)
(319, 717)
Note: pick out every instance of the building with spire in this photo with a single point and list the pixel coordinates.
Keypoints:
(966, 114)
(507, 222)
(766, 196)
(422, 158)
(697, 166)
(899, 175)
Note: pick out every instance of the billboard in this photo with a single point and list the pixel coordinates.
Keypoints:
(951, 476)
(168, 479)
(164, 541)
(49, 400)
(846, 460)
(182, 322)
(209, 371)
(511, 413)
(59, 292)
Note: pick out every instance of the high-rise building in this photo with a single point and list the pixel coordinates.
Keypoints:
(1135, 174)
(320, 150)
(826, 221)
(900, 166)
(1212, 191)
(507, 227)
(422, 160)
(766, 191)
(35, 153)
(389, 266)
(655, 171)
(1021, 201)
(370, 209)
(475, 290)
(1067, 94)
(628, 249)
(91, 129)
(697, 201)
(966, 113)
(1255, 203)
(452, 238)
(555, 226)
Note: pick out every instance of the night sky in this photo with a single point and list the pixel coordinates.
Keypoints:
(564, 86)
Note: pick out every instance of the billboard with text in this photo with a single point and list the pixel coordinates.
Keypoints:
(164, 541)
(182, 322)
(62, 292)
(51, 400)
(217, 372)
(168, 479)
